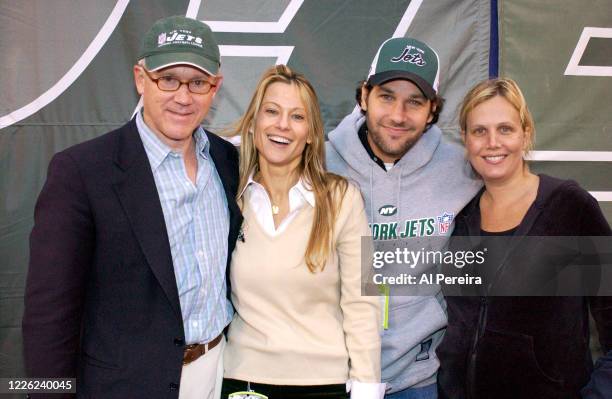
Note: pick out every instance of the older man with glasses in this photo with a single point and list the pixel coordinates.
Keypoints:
(127, 285)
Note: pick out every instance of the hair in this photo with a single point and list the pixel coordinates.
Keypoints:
(508, 90)
(328, 188)
(437, 103)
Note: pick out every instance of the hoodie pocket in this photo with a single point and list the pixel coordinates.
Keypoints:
(507, 363)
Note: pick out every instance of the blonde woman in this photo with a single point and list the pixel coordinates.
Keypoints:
(502, 346)
(301, 327)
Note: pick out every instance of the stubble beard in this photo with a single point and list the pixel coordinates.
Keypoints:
(395, 151)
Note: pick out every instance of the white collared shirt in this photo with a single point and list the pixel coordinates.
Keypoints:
(300, 195)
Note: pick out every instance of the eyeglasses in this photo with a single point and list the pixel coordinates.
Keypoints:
(170, 83)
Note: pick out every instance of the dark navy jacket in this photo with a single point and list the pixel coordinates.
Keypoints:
(101, 300)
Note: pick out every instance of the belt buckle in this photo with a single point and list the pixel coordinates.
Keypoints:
(188, 353)
(193, 352)
(190, 347)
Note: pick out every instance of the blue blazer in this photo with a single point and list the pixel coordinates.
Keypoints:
(101, 301)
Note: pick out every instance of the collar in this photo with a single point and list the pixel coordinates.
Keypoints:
(301, 187)
(546, 190)
(202, 142)
(157, 150)
(363, 137)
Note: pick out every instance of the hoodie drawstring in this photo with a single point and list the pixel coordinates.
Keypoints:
(372, 192)
(384, 289)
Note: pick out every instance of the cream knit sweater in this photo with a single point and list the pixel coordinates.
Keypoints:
(293, 327)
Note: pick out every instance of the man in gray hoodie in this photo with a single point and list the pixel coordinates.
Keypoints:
(414, 182)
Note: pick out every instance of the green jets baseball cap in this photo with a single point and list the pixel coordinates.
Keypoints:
(180, 40)
(406, 58)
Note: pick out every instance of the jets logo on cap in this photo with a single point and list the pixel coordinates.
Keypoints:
(181, 36)
(408, 55)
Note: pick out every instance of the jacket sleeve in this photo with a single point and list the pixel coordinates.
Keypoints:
(61, 246)
(361, 313)
(593, 223)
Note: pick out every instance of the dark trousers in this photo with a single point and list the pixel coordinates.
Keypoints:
(286, 391)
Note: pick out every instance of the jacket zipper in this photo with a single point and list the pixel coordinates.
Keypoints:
(482, 322)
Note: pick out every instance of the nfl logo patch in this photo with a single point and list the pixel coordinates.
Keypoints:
(444, 222)
(161, 38)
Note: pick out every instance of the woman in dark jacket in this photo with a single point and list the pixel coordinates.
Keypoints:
(501, 343)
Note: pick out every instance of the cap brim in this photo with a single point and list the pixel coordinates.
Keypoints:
(383, 77)
(156, 62)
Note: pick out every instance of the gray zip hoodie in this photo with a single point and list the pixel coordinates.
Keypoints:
(427, 187)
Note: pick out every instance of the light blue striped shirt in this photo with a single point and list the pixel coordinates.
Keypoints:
(197, 221)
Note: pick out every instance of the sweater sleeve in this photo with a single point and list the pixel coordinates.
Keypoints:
(361, 313)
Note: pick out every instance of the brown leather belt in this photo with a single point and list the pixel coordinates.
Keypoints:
(194, 351)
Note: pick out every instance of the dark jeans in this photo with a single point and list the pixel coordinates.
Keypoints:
(286, 391)
(428, 392)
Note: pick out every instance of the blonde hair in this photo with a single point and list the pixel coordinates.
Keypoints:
(507, 89)
(328, 188)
